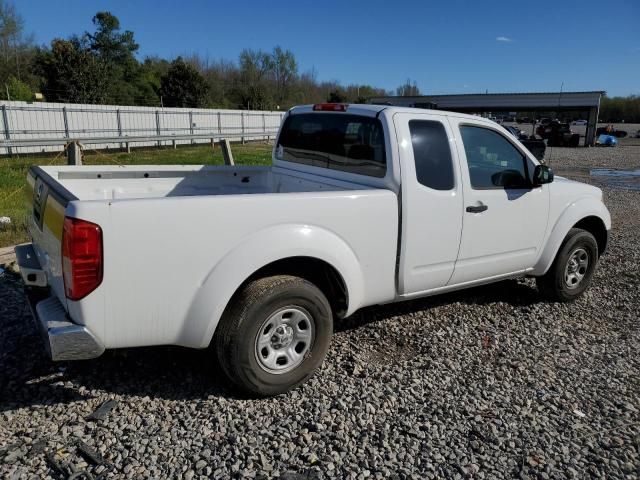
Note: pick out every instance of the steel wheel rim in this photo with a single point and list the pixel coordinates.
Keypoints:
(284, 339)
(576, 268)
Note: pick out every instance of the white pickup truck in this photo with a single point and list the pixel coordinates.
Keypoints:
(363, 205)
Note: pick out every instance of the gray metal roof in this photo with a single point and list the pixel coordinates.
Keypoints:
(500, 101)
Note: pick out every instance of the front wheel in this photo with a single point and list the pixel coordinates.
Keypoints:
(274, 334)
(571, 271)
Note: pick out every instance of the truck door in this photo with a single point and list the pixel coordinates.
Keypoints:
(431, 202)
(504, 218)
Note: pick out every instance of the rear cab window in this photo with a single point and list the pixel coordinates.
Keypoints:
(432, 154)
(337, 141)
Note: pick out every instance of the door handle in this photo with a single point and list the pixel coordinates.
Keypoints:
(476, 208)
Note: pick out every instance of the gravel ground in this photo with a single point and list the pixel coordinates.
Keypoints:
(624, 156)
(487, 383)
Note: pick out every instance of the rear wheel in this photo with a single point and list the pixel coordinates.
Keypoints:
(274, 334)
(570, 274)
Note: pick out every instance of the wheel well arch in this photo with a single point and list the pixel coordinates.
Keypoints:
(596, 227)
(319, 272)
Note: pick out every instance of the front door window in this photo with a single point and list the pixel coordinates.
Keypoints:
(494, 163)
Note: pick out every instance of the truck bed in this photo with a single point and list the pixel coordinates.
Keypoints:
(147, 181)
(179, 233)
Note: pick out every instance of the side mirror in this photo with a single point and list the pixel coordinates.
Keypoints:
(542, 174)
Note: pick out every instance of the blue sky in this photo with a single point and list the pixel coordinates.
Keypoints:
(450, 46)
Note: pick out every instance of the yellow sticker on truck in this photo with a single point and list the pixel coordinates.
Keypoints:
(54, 217)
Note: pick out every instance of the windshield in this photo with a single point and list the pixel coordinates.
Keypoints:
(338, 141)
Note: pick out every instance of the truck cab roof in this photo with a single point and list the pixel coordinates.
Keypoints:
(373, 110)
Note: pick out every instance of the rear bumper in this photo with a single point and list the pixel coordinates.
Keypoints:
(64, 340)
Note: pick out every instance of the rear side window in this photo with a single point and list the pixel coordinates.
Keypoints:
(337, 141)
(432, 154)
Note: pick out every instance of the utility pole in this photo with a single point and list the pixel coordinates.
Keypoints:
(560, 100)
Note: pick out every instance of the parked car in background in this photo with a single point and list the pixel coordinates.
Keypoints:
(516, 132)
(535, 146)
(558, 134)
(363, 205)
(579, 122)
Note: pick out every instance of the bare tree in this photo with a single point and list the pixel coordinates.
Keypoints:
(285, 70)
(408, 89)
(15, 47)
(255, 66)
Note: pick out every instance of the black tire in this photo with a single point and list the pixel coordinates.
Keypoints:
(238, 332)
(553, 285)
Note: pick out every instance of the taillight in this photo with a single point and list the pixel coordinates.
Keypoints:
(330, 107)
(81, 257)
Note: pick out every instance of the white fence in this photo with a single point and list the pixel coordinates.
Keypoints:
(43, 127)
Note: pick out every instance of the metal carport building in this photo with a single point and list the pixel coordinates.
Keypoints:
(587, 102)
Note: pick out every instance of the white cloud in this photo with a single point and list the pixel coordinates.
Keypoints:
(503, 39)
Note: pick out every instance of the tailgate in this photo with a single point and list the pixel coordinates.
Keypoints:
(48, 202)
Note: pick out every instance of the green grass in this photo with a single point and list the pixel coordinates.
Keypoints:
(13, 174)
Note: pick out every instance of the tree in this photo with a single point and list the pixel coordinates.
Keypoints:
(183, 86)
(72, 73)
(336, 96)
(408, 89)
(17, 90)
(16, 49)
(107, 41)
(616, 109)
(307, 89)
(252, 85)
(117, 50)
(221, 77)
(11, 26)
(362, 93)
(147, 82)
(285, 70)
